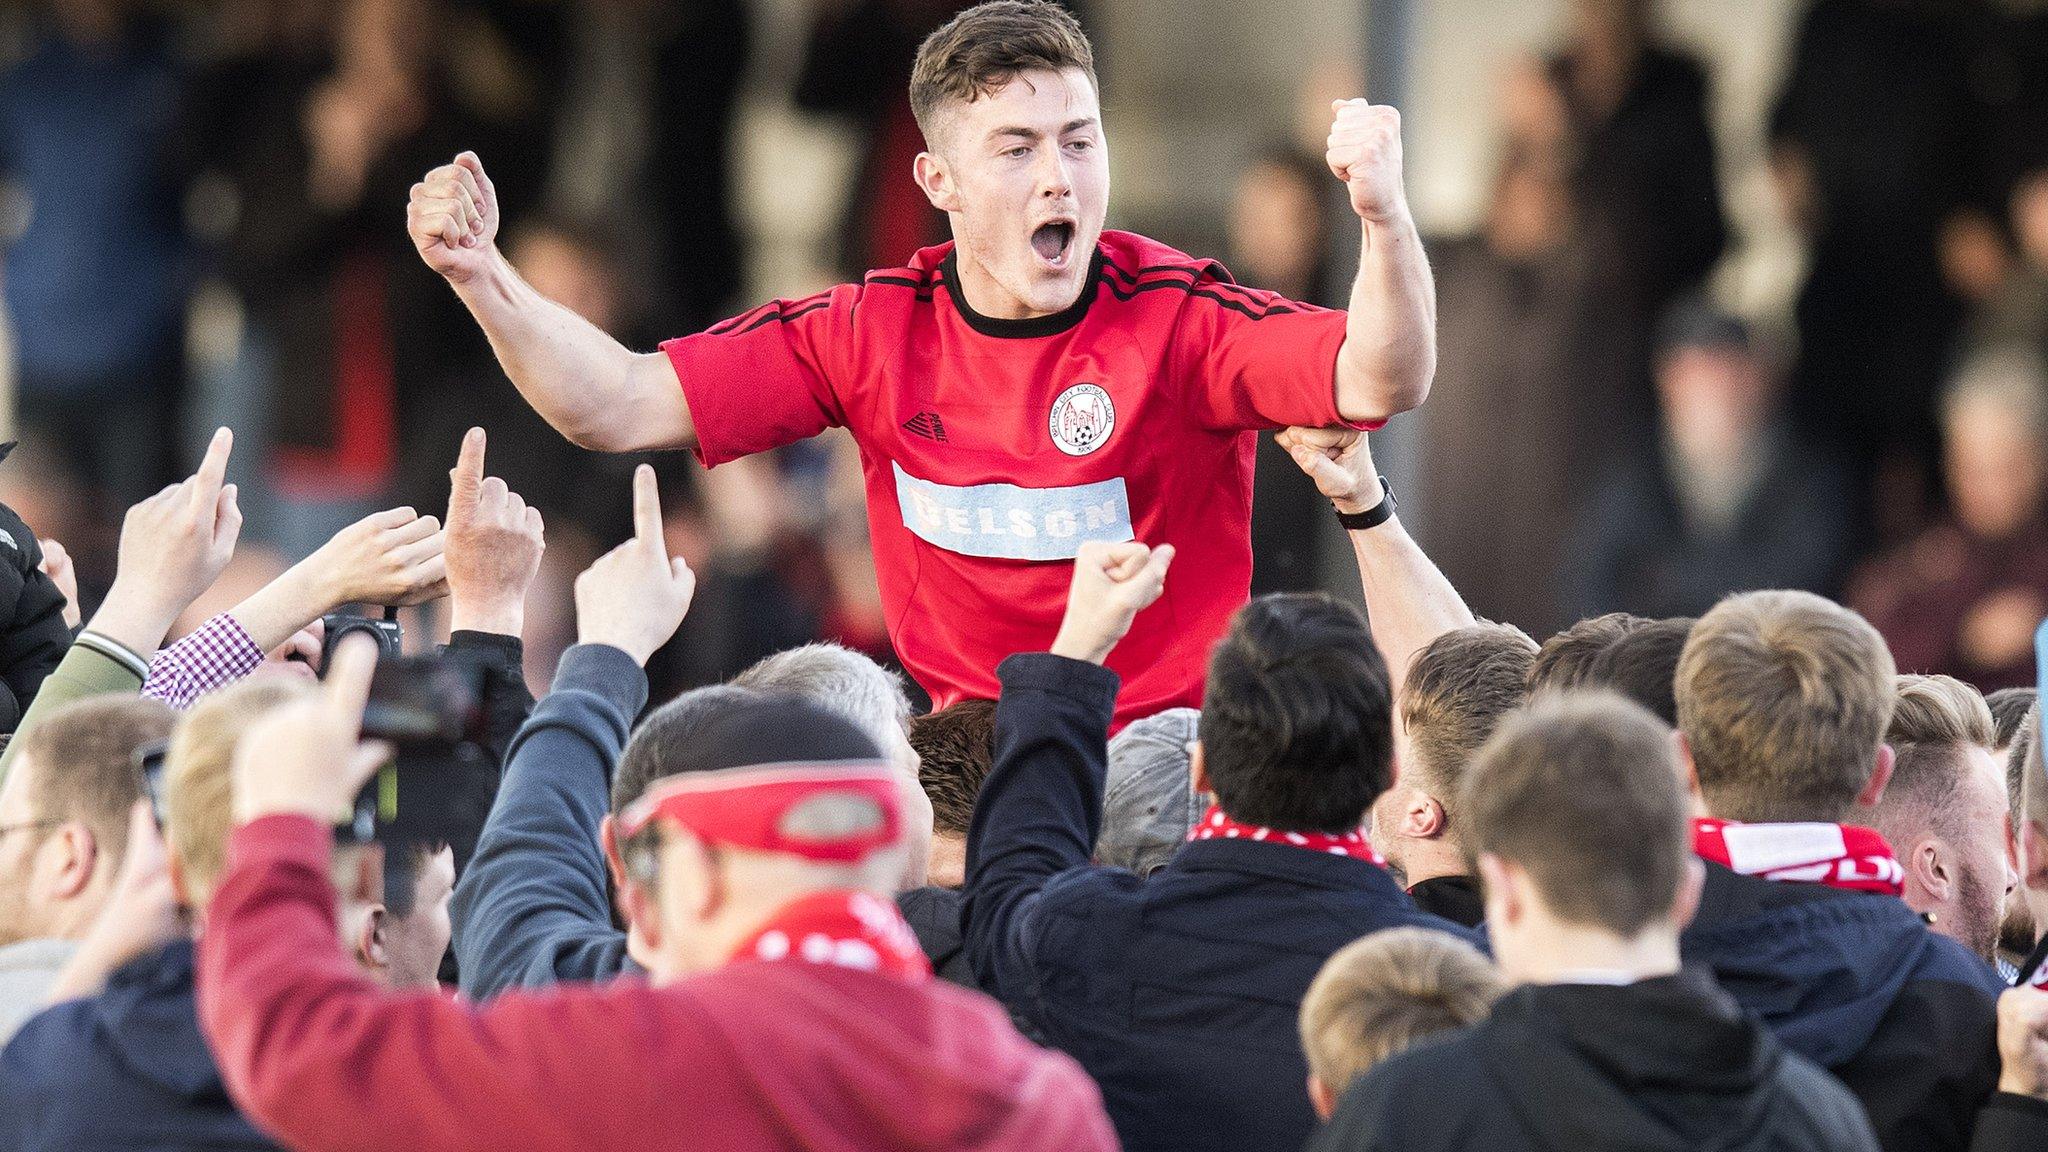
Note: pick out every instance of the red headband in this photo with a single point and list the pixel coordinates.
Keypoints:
(746, 807)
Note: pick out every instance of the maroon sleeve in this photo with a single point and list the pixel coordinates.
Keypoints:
(768, 377)
(324, 1060)
(1253, 359)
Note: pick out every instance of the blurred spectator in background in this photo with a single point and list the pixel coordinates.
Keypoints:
(1963, 596)
(1532, 366)
(2015, 313)
(1876, 143)
(311, 138)
(96, 260)
(1280, 239)
(1631, 114)
(1726, 498)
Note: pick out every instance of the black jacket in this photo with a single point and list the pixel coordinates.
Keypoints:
(126, 1069)
(1455, 898)
(1855, 982)
(1178, 993)
(1665, 1065)
(33, 635)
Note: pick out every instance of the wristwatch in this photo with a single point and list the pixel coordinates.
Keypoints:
(1374, 516)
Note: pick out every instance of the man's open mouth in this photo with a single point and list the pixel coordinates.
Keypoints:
(1054, 242)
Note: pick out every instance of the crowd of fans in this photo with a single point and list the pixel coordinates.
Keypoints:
(1720, 874)
(1727, 882)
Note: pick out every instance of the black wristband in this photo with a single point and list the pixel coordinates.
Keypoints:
(1374, 516)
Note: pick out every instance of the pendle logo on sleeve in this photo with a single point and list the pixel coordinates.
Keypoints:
(1009, 522)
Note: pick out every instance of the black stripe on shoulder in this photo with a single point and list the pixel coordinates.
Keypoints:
(783, 317)
(727, 325)
(1207, 273)
(1254, 310)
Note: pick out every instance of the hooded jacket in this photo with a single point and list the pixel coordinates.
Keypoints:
(1664, 1065)
(33, 634)
(1904, 1017)
(126, 1069)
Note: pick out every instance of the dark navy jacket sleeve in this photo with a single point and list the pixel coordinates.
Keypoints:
(533, 908)
(1039, 812)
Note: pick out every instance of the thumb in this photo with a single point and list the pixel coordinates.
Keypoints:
(364, 762)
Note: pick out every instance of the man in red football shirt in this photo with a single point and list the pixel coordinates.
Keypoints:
(1035, 384)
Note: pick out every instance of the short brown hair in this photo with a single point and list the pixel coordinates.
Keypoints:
(1457, 690)
(985, 47)
(1566, 659)
(955, 748)
(1581, 790)
(2033, 790)
(198, 773)
(1380, 996)
(1784, 698)
(1936, 719)
(1642, 664)
(82, 760)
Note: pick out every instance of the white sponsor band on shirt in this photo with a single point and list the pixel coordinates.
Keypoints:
(1012, 522)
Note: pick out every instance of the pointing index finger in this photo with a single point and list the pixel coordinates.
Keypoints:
(468, 475)
(213, 470)
(647, 507)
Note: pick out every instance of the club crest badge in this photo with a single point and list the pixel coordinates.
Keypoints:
(1082, 419)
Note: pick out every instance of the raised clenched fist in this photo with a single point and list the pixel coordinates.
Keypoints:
(453, 218)
(1112, 584)
(1365, 153)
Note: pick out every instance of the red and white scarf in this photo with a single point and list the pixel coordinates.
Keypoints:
(1837, 855)
(1216, 825)
(844, 929)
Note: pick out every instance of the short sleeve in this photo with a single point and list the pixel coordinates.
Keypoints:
(1252, 359)
(766, 378)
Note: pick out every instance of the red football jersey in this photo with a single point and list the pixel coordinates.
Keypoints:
(993, 448)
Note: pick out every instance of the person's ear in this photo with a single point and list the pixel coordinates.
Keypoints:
(608, 839)
(2034, 855)
(935, 179)
(1928, 868)
(1692, 880)
(1504, 899)
(1880, 775)
(1422, 818)
(643, 916)
(78, 857)
(1321, 1098)
(370, 940)
(1198, 770)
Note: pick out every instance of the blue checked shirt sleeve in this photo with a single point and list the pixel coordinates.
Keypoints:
(219, 653)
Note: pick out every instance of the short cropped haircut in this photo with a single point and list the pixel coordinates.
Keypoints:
(1938, 718)
(1566, 659)
(1457, 690)
(1784, 698)
(1581, 790)
(2009, 708)
(198, 772)
(1297, 720)
(2020, 758)
(1380, 996)
(955, 748)
(2034, 776)
(83, 763)
(657, 746)
(1642, 664)
(840, 681)
(980, 50)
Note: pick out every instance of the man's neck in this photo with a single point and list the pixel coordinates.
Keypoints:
(1558, 953)
(1429, 860)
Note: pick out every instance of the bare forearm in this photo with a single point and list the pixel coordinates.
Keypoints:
(591, 388)
(1389, 353)
(1407, 596)
(274, 612)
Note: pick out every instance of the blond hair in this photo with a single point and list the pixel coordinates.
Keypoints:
(1378, 997)
(198, 781)
(1783, 698)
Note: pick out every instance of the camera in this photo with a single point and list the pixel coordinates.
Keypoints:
(441, 780)
(384, 630)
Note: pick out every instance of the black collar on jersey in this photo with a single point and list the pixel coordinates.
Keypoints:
(1053, 325)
